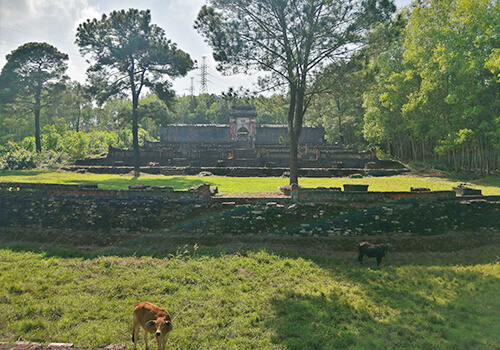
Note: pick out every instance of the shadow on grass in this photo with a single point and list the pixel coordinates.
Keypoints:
(21, 172)
(409, 307)
(425, 301)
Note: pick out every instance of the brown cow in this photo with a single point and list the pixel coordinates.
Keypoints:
(154, 320)
(372, 250)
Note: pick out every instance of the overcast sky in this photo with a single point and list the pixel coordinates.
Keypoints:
(55, 22)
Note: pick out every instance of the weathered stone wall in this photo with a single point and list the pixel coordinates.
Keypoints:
(273, 134)
(195, 133)
(76, 209)
(212, 133)
(210, 154)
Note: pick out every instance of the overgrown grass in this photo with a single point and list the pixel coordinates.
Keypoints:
(255, 300)
(239, 185)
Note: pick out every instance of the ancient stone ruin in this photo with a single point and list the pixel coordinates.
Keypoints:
(241, 148)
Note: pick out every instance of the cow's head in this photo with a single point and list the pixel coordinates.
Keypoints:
(160, 327)
(384, 248)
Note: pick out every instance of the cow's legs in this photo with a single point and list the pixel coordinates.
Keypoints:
(360, 258)
(145, 336)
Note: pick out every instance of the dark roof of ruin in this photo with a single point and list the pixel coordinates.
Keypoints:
(199, 125)
(270, 126)
(243, 111)
(285, 126)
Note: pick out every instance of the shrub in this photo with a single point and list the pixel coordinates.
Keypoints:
(18, 159)
(75, 144)
(51, 159)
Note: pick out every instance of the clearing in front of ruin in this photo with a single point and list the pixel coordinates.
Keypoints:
(246, 185)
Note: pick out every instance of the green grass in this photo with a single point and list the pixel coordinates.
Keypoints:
(255, 300)
(240, 185)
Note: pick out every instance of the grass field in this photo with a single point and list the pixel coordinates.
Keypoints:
(256, 292)
(240, 185)
(256, 300)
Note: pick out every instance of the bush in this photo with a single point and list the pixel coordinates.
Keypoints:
(60, 147)
(75, 144)
(18, 159)
(51, 159)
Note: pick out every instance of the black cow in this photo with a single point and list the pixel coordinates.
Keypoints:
(372, 250)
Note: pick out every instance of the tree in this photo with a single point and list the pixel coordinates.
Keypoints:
(436, 95)
(290, 40)
(129, 54)
(339, 108)
(30, 77)
(449, 45)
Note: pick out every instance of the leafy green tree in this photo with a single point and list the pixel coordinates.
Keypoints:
(384, 122)
(79, 102)
(154, 114)
(339, 106)
(30, 78)
(450, 44)
(271, 110)
(437, 90)
(130, 54)
(290, 40)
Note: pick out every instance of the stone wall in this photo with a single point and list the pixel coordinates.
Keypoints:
(208, 133)
(78, 207)
(324, 214)
(214, 133)
(210, 154)
(273, 134)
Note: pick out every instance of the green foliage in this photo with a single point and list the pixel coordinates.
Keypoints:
(437, 89)
(339, 108)
(13, 157)
(129, 54)
(125, 44)
(255, 300)
(61, 148)
(34, 72)
(289, 40)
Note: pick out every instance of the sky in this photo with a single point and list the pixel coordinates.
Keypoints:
(55, 22)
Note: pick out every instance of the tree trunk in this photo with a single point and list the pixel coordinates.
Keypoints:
(37, 109)
(78, 118)
(295, 117)
(136, 92)
(135, 137)
(294, 161)
(135, 132)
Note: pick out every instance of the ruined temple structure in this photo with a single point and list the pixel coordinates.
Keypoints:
(242, 143)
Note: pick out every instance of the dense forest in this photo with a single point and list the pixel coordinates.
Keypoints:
(423, 87)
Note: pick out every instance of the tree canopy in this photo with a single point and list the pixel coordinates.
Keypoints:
(437, 92)
(290, 40)
(29, 78)
(128, 54)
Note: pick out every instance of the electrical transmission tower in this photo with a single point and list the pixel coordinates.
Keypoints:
(204, 77)
(191, 87)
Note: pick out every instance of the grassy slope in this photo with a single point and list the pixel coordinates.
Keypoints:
(256, 300)
(233, 185)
